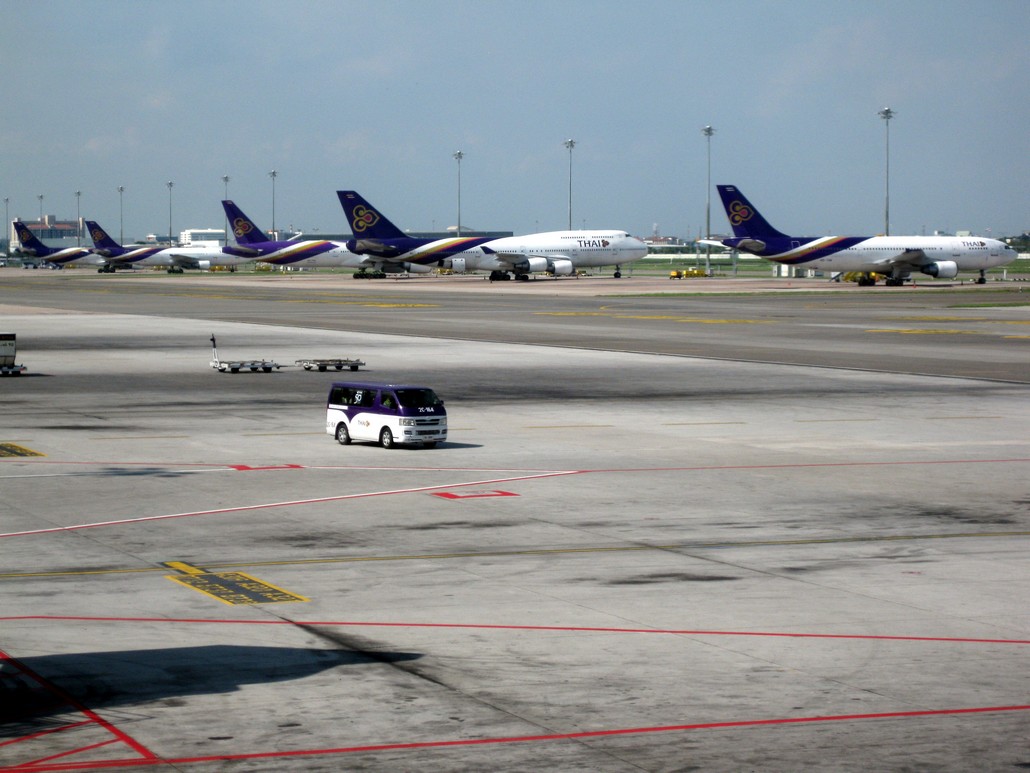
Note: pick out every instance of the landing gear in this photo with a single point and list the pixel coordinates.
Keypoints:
(499, 276)
(894, 281)
(618, 272)
(982, 279)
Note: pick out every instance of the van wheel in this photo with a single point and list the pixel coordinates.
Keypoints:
(342, 435)
(386, 438)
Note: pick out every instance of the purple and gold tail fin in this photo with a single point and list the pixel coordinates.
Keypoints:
(364, 220)
(30, 244)
(745, 220)
(101, 239)
(243, 227)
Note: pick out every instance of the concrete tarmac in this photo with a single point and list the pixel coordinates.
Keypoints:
(710, 527)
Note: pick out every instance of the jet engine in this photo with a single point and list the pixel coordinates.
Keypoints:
(401, 268)
(531, 265)
(457, 265)
(561, 267)
(942, 269)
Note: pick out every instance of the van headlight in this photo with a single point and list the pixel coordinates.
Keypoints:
(408, 422)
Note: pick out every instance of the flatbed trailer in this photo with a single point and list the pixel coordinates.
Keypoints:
(323, 364)
(8, 353)
(235, 366)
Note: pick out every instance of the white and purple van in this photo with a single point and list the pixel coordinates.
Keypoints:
(389, 414)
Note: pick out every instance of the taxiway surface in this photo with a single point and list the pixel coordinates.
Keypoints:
(764, 531)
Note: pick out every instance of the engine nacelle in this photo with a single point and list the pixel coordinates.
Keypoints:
(203, 265)
(405, 268)
(532, 265)
(942, 269)
(562, 267)
(457, 265)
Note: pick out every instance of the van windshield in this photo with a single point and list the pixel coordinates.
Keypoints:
(418, 398)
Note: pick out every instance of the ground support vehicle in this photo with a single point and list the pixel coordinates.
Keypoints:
(337, 363)
(8, 353)
(235, 366)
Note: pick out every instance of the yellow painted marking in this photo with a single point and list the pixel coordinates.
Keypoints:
(828, 421)
(234, 588)
(700, 423)
(554, 551)
(660, 317)
(182, 566)
(11, 449)
(926, 332)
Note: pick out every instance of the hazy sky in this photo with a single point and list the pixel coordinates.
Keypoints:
(377, 96)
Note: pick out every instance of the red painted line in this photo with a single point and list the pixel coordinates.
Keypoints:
(474, 495)
(48, 731)
(544, 737)
(91, 715)
(288, 503)
(34, 765)
(547, 628)
(248, 468)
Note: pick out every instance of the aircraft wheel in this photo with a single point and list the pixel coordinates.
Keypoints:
(618, 275)
(342, 435)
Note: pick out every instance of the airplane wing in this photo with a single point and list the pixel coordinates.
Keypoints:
(185, 261)
(911, 258)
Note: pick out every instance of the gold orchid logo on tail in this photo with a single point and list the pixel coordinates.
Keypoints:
(241, 227)
(364, 218)
(740, 212)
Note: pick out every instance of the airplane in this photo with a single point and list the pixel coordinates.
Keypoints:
(67, 256)
(894, 256)
(559, 253)
(253, 244)
(176, 259)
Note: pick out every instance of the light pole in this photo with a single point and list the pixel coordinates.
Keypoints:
(570, 144)
(273, 174)
(121, 216)
(40, 197)
(886, 114)
(7, 224)
(225, 179)
(78, 220)
(170, 184)
(458, 155)
(708, 131)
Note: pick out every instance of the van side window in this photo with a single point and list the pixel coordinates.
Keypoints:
(338, 396)
(364, 397)
(388, 401)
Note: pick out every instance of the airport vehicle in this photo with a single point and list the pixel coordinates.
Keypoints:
(235, 366)
(390, 414)
(8, 355)
(175, 259)
(558, 253)
(67, 256)
(323, 364)
(252, 244)
(896, 257)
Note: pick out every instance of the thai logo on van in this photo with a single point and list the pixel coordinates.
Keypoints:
(241, 226)
(740, 212)
(363, 218)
